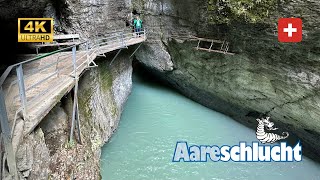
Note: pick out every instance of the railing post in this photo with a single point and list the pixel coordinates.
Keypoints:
(222, 46)
(198, 44)
(87, 46)
(5, 128)
(74, 61)
(75, 112)
(87, 52)
(144, 33)
(22, 90)
(122, 40)
(211, 45)
(118, 38)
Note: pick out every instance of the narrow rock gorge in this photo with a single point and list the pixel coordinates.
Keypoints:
(263, 78)
(48, 153)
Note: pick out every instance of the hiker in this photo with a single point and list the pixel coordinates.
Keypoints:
(138, 25)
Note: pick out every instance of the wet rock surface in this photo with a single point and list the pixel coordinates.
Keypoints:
(47, 153)
(263, 78)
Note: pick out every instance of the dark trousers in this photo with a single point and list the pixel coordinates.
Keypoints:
(138, 30)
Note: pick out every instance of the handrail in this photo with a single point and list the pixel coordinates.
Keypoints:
(117, 36)
(116, 40)
(25, 82)
(8, 70)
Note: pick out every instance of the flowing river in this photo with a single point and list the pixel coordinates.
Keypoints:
(156, 117)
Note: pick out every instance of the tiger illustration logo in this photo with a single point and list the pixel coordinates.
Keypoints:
(265, 137)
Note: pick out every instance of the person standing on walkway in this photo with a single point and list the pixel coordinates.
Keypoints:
(138, 25)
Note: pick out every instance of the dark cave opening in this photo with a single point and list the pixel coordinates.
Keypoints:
(62, 11)
(135, 12)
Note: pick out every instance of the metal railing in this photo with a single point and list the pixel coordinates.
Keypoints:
(157, 34)
(21, 85)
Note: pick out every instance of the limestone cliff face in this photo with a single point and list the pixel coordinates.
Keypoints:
(47, 152)
(87, 18)
(90, 19)
(263, 78)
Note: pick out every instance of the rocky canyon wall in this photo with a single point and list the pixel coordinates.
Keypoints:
(47, 152)
(263, 78)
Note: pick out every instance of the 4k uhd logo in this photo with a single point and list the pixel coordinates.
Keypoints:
(35, 29)
(290, 30)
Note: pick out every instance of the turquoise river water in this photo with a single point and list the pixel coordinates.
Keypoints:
(156, 117)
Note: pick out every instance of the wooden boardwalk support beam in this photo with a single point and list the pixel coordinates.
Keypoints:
(198, 44)
(223, 49)
(41, 82)
(65, 81)
(216, 51)
(209, 40)
(211, 45)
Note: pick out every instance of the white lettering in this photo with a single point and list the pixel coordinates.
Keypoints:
(246, 152)
(275, 153)
(297, 152)
(235, 153)
(181, 152)
(241, 152)
(194, 153)
(225, 153)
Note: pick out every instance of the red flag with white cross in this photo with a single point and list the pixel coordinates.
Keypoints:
(290, 30)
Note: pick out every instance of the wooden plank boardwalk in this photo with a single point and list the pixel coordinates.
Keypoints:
(55, 76)
(30, 89)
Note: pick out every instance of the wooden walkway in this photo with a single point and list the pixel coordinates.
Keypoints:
(30, 89)
(216, 46)
(56, 77)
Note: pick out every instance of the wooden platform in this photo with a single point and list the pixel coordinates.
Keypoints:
(213, 50)
(59, 81)
(224, 48)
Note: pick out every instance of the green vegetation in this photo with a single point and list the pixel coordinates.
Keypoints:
(106, 77)
(83, 100)
(106, 80)
(253, 11)
(69, 145)
(139, 6)
(114, 109)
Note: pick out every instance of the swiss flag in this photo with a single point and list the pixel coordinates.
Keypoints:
(290, 30)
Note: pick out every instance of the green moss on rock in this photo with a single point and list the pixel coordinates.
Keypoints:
(225, 11)
(83, 100)
(105, 77)
(139, 5)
